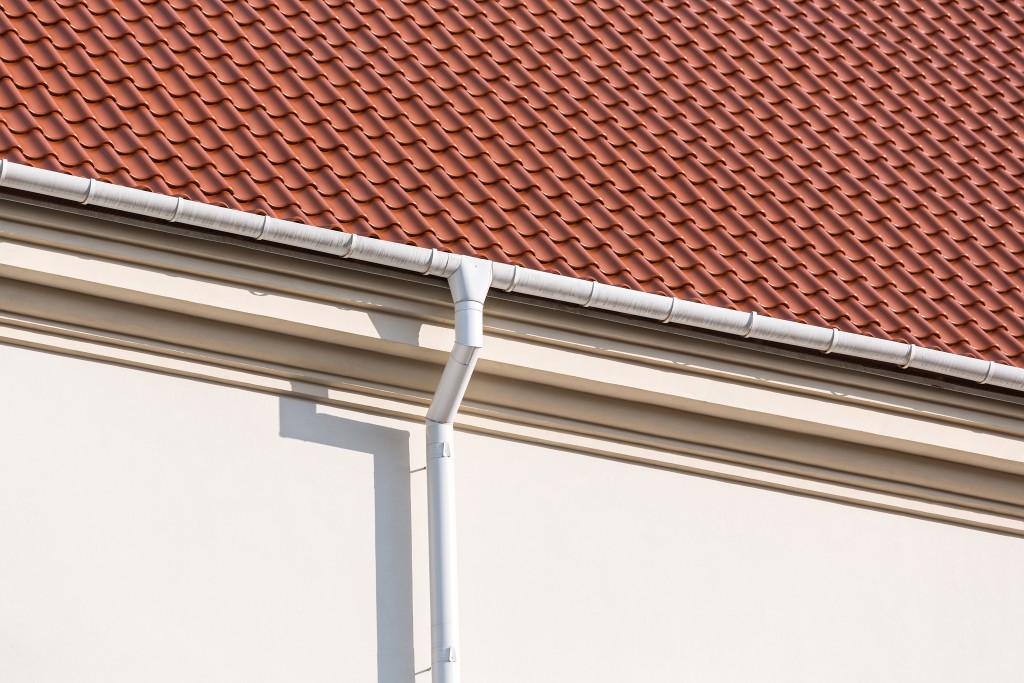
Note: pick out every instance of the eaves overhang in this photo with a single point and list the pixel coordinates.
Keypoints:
(112, 288)
(581, 294)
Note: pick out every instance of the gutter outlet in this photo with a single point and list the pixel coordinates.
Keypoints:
(469, 284)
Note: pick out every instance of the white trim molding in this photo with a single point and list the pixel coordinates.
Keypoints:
(96, 288)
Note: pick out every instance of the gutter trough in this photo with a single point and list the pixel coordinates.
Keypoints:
(509, 278)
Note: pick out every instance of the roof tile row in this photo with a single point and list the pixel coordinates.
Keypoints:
(855, 164)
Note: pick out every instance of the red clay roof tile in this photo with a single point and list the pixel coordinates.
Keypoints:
(855, 165)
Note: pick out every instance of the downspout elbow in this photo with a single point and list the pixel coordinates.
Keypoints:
(469, 285)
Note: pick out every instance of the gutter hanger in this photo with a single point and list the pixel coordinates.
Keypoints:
(51, 184)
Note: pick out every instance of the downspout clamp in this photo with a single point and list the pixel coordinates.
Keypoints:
(469, 284)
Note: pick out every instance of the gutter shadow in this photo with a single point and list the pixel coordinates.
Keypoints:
(389, 448)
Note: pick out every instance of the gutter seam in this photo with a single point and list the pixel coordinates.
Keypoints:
(507, 277)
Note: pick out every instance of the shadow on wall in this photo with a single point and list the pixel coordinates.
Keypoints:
(395, 328)
(393, 521)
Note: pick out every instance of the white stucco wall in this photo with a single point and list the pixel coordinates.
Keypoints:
(155, 528)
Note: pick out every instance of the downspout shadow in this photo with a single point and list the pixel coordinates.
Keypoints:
(392, 506)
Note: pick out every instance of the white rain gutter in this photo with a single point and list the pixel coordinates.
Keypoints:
(50, 184)
(470, 280)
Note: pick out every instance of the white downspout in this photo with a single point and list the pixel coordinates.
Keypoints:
(469, 285)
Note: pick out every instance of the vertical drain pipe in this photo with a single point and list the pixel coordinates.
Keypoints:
(469, 285)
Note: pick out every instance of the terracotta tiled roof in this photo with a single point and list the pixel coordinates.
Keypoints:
(850, 164)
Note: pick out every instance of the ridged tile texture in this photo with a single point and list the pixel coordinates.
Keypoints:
(849, 164)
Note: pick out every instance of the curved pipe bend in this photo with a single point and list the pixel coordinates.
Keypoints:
(469, 284)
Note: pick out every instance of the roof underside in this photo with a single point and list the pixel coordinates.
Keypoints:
(853, 164)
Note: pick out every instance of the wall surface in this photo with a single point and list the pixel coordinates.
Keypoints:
(160, 528)
(212, 470)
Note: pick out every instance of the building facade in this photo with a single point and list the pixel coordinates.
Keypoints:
(215, 471)
(717, 305)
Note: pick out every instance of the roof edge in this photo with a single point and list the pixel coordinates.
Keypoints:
(507, 277)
